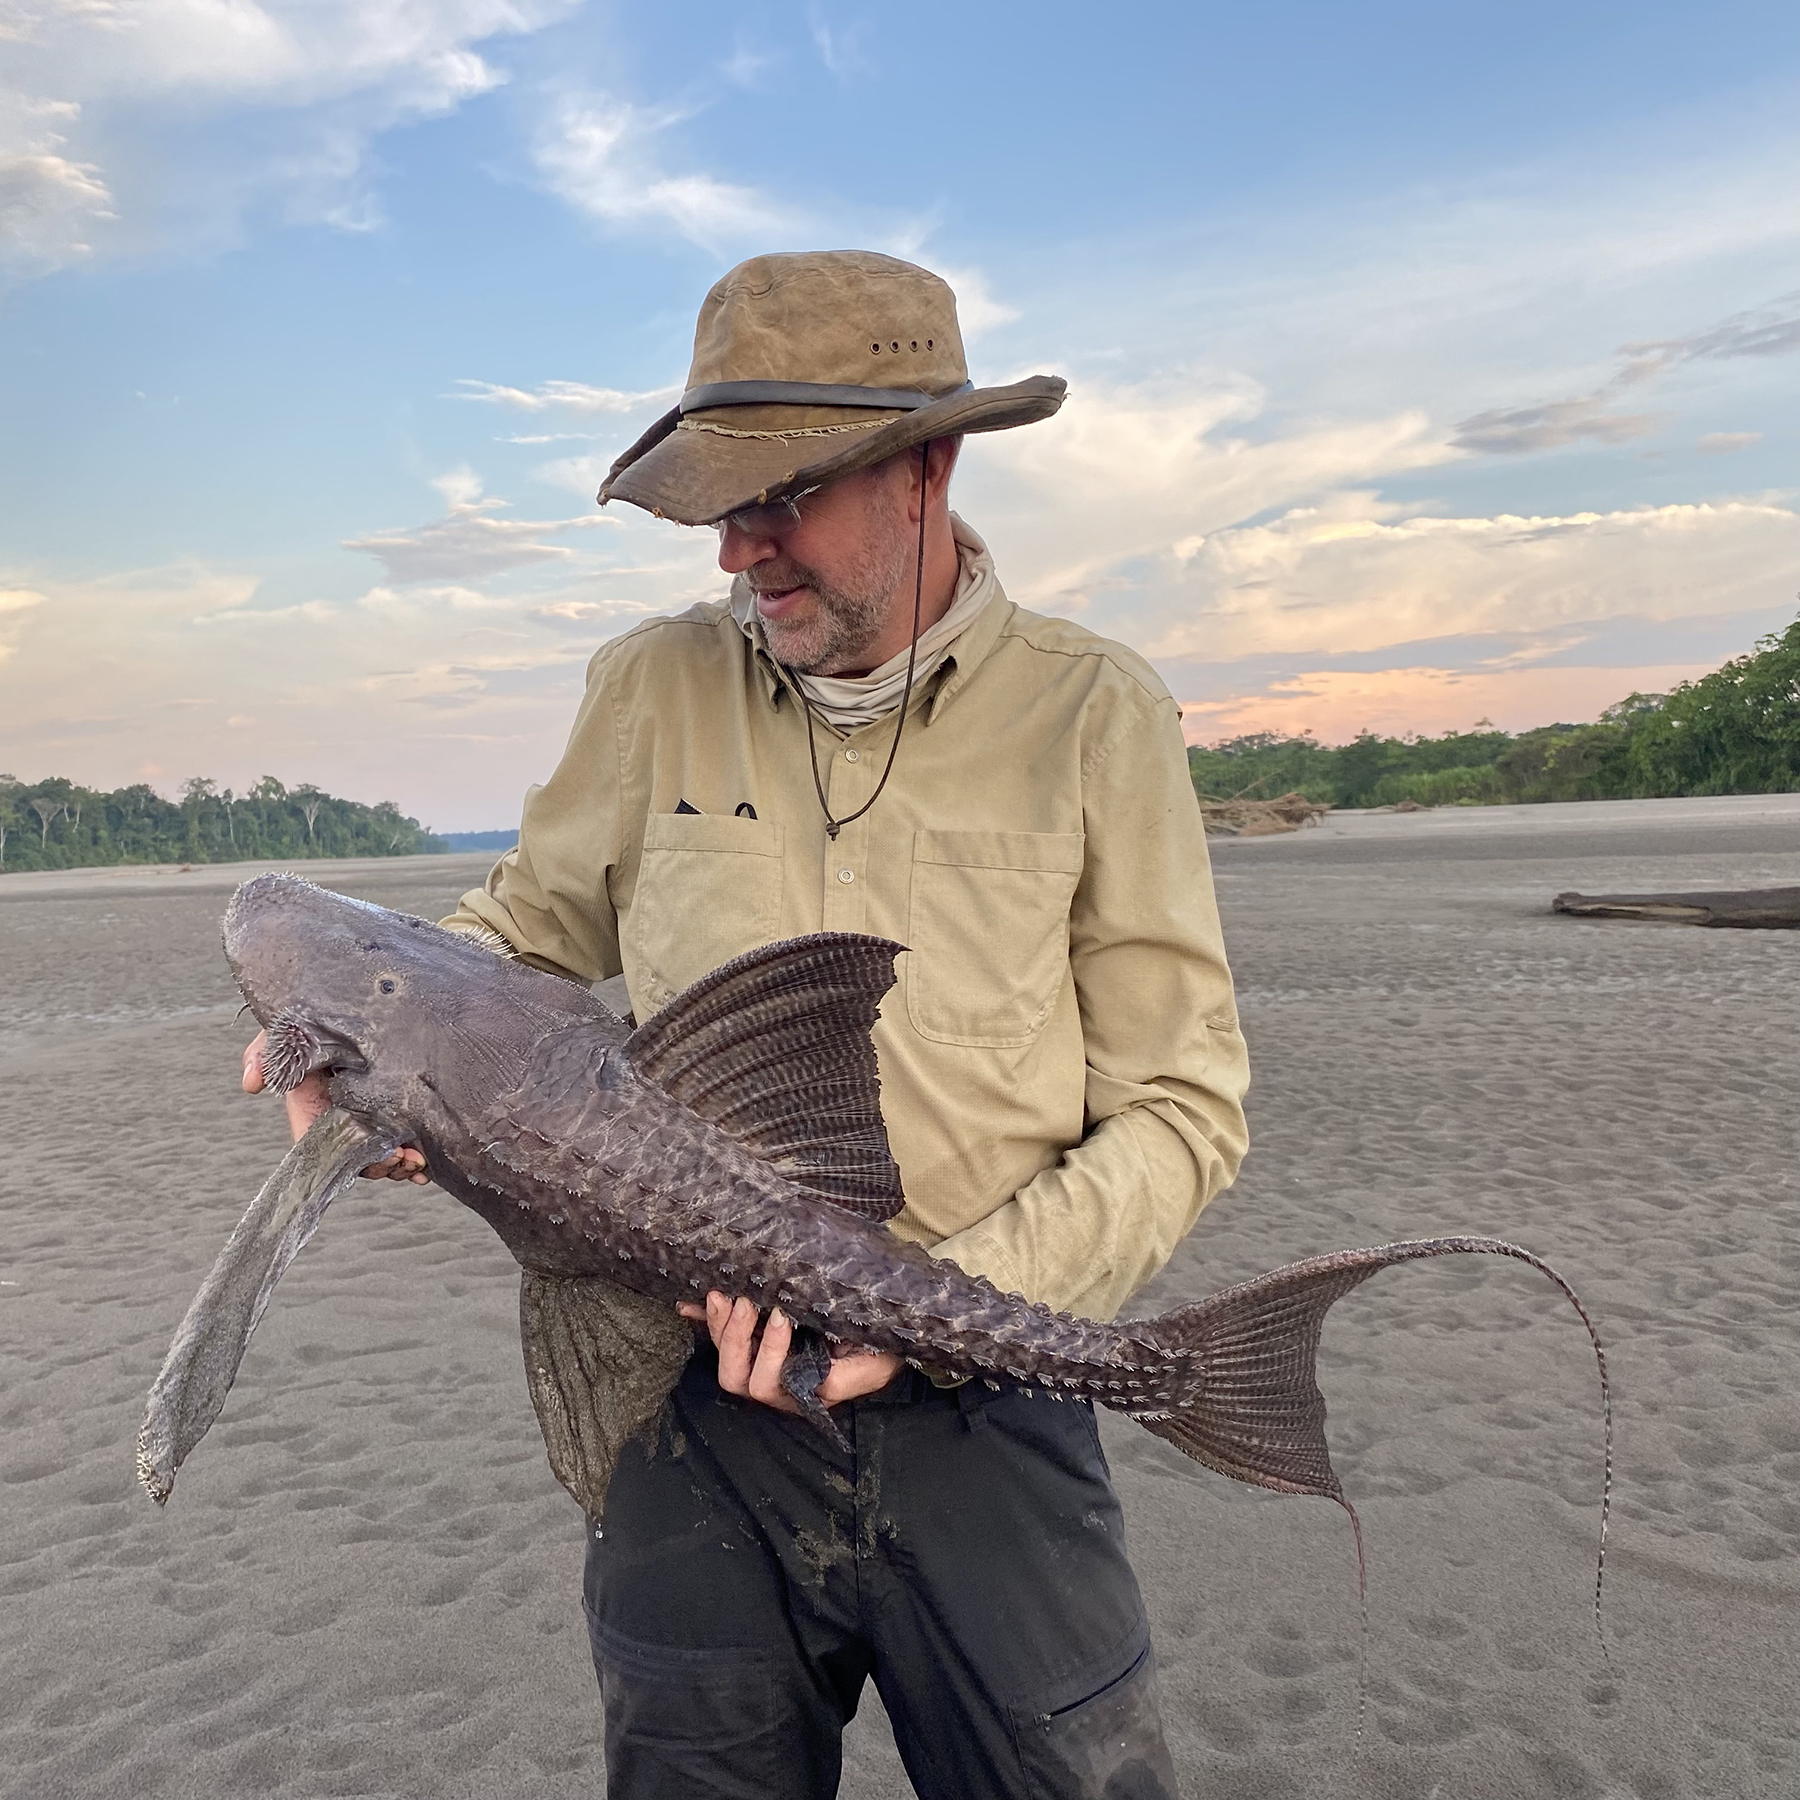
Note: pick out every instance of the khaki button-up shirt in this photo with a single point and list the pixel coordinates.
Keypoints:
(1062, 1071)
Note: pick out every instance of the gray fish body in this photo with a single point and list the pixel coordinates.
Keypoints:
(732, 1142)
(521, 1092)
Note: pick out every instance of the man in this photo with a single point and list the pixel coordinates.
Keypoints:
(869, 737)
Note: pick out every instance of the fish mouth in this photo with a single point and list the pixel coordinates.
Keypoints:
(297, 1047)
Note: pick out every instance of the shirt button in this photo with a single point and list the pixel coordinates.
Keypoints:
(852, 756)
(846, 876)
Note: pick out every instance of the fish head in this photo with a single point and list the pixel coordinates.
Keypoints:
(372, 995)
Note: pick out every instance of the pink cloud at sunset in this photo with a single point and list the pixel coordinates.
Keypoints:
(1335, 704)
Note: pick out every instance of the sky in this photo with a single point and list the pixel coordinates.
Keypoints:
(1427, 364)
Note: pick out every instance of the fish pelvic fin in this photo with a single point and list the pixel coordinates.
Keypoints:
(1254, 1410)
(774, 1049)
(599, 1363)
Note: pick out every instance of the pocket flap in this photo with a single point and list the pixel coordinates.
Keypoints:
(712, 832)
(1051, 852)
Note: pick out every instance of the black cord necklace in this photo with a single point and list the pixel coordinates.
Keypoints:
(834, 826)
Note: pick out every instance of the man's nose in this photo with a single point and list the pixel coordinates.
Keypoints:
(740, 549)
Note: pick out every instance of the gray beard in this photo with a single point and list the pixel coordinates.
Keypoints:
(848, 620)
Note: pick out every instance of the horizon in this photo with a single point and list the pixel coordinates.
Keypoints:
(173, 792)
(1416, 377)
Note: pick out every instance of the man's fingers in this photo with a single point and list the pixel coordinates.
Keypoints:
(406, 1164)
(856, 1372)
(736, 1341)
(718, 1312)
(771, 1354)
(253, 1071)
(307, 1102)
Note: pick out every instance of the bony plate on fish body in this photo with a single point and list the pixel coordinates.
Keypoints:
(733, 1141)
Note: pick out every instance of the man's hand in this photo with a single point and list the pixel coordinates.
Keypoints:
(751, 1352)
(306, 1102)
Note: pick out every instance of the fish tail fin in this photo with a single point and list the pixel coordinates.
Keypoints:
(1248, 1395)
(1245, 1396)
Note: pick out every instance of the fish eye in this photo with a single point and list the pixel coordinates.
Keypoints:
(387, 984)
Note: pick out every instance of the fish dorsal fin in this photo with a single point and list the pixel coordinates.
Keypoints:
(773, 1048)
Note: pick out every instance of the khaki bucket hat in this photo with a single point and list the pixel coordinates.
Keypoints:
(807, 367)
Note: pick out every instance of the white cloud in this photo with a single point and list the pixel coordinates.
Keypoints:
(744, 67)
(840, 47)
(1772, 330)
(13, 603)
(96, 146)
(599, 154)
(976, 308)
(1355, 576)
(1175, 515)
(1722, 443)
(1768, 331)
(50, 203)
(475, 693)
(565, 396)
(1130, 471)
(1517, 430)
(471, 540)
(574, 474)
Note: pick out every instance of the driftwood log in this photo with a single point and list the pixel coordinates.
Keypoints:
(1751, 909)
(1241, 816)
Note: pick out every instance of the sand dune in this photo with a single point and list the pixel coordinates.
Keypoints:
(367, 1581)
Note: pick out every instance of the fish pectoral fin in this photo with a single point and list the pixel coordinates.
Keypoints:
(599, 1361)
(803, 1373)
(774, 1049)
(189, 1392)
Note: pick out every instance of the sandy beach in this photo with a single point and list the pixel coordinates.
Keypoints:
(367, 1582)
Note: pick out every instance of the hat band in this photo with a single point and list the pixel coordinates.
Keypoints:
(809, 393)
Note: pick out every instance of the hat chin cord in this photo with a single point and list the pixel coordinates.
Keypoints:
(832, 825)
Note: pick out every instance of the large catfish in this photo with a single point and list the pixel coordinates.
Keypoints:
(733, 1141)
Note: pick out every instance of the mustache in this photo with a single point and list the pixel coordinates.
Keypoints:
(778, 578)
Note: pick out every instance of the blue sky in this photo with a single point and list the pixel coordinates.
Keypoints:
(1427, 363)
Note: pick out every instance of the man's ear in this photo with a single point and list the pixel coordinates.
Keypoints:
(940, 464)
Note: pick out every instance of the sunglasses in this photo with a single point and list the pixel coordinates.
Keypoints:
(770, 521)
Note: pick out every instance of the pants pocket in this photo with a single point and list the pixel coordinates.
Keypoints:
(1107, 1745)
(688, 1721)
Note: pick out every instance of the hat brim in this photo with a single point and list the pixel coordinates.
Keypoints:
(697, 470)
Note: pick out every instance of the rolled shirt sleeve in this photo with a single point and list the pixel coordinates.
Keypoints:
(551, 897)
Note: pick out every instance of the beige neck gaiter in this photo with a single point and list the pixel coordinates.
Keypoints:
(850, 702)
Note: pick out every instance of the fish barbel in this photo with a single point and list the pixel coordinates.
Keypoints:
(734, 1141)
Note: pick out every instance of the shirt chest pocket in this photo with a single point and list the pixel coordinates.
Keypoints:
(988, 926)
(708, 889)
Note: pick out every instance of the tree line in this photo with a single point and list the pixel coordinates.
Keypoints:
(58, 824)
(1735, 731)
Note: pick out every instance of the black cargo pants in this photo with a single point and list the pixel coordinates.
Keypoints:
(967, 1552)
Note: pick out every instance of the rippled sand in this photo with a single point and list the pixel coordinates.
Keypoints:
(367, 1582)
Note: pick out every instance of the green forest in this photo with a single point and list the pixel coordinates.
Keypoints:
(1735, 731)
(56, 824)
